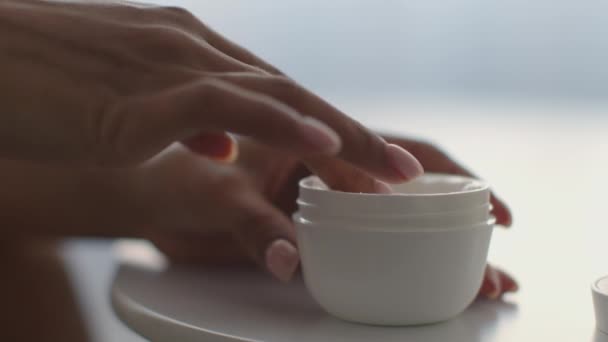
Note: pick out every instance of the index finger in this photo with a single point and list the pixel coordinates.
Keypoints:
(360, 146)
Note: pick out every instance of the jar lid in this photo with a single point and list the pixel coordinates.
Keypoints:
(600, 302)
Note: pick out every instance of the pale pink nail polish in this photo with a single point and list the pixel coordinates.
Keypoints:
(282, 259)
(495, 290)
(513, 288)
(403, 162)
(493, 295)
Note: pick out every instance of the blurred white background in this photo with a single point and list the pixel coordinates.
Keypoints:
(551, 48)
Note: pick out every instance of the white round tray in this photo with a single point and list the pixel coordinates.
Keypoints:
(205, 304)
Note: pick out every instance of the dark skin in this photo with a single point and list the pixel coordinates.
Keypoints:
(37, 293)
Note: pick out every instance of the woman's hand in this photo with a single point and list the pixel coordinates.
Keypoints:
(195, 209)
(275, 178)
(113, 83)
(116, 84)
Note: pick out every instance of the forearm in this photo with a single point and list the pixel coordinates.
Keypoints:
(54, 201)
(33, 83)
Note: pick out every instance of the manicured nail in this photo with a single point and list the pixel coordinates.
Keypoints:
(382, 188)
(501, 212)
(494, 292)
(406, 165)
(493, 295)
(282, 259)
(221, 146)
(320, 136)
(512, 288)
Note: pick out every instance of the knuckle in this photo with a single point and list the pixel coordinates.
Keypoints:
(367, 140)
(177, 13)
(164, 43)
(259, 226)
(211, 85)
(287, 87)
(109, 143)
(279, 123)
(210, 95)
(182, 18)
(286, 96)
(234, 190)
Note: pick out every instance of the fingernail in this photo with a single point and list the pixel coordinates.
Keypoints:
(503, 217)
(382, 188)
(403, 162)
(513, 288)
(320, 136)
(282, 259)
(221, 146)
(494, 293)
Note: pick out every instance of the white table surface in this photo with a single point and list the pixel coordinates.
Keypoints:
(190, 305)
(549, 163)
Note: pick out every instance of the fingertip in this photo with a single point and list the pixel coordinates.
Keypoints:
(282, 259)
(493, 289)
(508, 283)
(505, 218)
(486, 287)
(501, 212)
(514, 287)
(495, 293)
(508, 222)
(404, 164)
